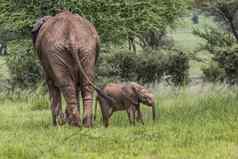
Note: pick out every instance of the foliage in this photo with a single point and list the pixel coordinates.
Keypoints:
(177, 67)
(223, 47)
(113, 19)
(153, 39)
(23, 65)
(214, 38)
(147, 66)
(124, 64)
(213, 72)
(227, 58)
(150, 66)
(224, 12)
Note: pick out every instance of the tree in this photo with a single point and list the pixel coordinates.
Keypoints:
(221, 42)
(224, 11)
(114, 19)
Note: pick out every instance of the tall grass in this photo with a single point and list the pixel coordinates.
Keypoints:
(194, 123)
(38, 98)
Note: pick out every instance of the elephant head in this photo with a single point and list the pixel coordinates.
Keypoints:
(36, 27)
(143, 95)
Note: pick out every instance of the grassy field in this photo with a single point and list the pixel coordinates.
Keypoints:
(201, 124)
(195, 122)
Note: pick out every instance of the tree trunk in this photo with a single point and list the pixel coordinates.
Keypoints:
(233, 29)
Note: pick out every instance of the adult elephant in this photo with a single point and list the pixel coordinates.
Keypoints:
(67, 46)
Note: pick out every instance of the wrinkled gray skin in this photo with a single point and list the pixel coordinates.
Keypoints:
(67, 46)
(125, 97)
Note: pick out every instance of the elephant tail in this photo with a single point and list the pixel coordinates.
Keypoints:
(99, 91)
(95, 109)
(97, 48)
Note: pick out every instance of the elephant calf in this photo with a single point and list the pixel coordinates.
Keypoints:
(125, 97)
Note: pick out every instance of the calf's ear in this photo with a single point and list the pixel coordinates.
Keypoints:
(138, 89)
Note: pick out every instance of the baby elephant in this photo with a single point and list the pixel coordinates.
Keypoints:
(125, 97)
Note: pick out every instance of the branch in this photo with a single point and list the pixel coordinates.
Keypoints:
(227, 18)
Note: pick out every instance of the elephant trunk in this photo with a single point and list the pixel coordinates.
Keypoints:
(153, 112)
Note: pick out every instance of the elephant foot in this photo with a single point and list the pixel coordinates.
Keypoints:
(60, 119)
(73, 119)
(87, 121)
(106, 125)
(140, 120)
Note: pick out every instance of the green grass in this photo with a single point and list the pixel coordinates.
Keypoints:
(198, 125)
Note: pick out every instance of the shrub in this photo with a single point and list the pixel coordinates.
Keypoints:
(177, 67)
(23, 64)
(227, 58)
(124, 64)
(104, 71)
(224, 50)
(148, 66)
(213, 72)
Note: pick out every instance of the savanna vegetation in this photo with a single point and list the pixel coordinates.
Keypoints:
(185, 51)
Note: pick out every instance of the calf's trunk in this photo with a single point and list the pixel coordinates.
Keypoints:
(153, 112)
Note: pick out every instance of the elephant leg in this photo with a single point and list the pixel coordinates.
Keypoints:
(106, 111)
(139, 116)
(87, 95)
(57, 115)
(63, 78)
(131, 114)
(69, 92)
(87, 90)
(107, 117)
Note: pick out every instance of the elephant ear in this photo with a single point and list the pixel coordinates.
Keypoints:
(130, 94)
(36, 27)
(139, 90)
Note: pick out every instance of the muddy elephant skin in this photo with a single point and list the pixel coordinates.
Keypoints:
(125, 97)
(67, 46)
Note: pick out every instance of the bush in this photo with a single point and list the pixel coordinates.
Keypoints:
(213, 73)
(147, 66)
(223, 66)
(224, 50)
(104, 72)
(23, 64)
(177, 67)
(227, 58)
(124, 65)
(150, 66)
